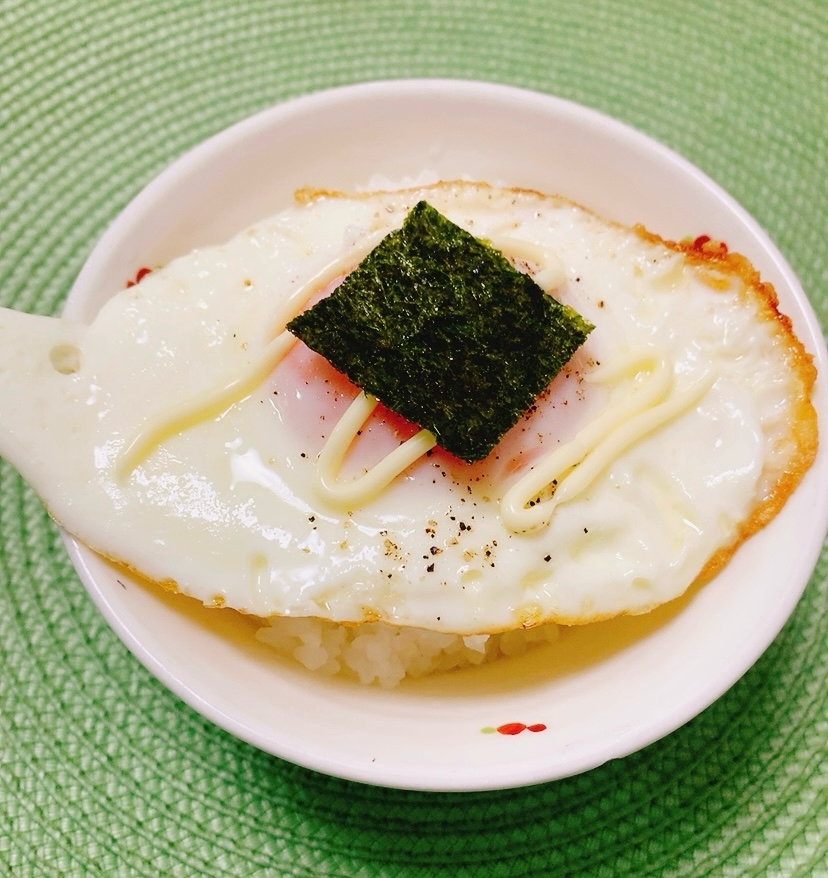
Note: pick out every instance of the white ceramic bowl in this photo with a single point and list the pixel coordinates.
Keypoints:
(602, 691)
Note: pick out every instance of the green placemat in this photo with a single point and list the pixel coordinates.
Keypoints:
(102, 771)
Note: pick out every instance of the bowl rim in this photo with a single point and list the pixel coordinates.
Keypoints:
(192, 162)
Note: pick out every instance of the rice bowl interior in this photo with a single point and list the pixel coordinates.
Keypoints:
(601, 708)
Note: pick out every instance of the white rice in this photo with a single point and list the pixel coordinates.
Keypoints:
(376, 652)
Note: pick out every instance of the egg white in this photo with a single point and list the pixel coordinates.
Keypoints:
(219, 502)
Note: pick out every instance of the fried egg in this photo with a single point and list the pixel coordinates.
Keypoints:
(186, 435)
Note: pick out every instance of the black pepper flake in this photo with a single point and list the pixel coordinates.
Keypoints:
(547, 558)
(430, 568)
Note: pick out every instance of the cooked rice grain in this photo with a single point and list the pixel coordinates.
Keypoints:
(376, 652)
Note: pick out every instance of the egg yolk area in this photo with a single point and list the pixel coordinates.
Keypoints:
(311, 396)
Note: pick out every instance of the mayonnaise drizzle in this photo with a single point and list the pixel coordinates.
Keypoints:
(550, 273)
(651, 403)
(353, 492)
(569, 470)
(214, 401)
(204, 406)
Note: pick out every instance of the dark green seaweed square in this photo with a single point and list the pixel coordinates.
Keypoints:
(441, 328)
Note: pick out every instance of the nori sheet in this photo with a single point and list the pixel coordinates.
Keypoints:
(445, 331)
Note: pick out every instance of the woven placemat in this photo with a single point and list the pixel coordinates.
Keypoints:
(102, 770)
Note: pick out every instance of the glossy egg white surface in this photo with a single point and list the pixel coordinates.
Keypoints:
(180, 433)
